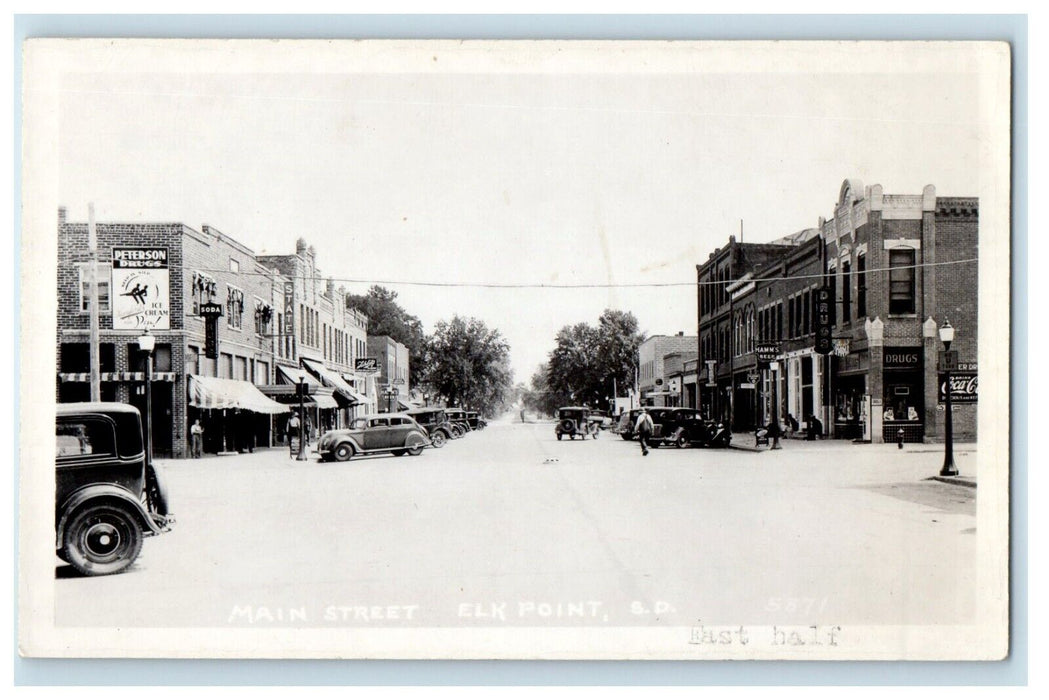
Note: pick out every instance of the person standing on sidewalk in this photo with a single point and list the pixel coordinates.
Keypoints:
(196, 432)
(643, 429)
(293, 433)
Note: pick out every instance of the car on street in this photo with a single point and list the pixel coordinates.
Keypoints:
(625, 426)
(604, 421)
(395, 433)
(108, 494)
(686, 427)
(458, 417)
(575, 420)
(437, 425)
(475, 420)
(658, 414)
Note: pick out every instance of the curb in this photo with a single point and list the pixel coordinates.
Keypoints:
(956, 480)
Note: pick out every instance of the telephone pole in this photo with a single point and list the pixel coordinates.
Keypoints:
(92, 287)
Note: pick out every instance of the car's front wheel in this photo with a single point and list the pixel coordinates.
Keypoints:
(438, 439)
(102, 539)
(343, 452)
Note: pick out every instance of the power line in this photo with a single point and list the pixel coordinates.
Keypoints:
(539, 285)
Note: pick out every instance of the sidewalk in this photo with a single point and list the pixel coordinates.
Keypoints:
(965, 451)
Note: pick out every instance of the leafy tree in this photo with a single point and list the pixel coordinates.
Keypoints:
(586, 360)
(386, 317)
(468, 364)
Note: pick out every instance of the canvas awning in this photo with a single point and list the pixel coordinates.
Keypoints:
(216, 393)
(287, 376)
(332, 379)
(361, 398)
(322, 401)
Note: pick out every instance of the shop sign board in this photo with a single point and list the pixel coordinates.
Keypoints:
(289, 309)
(366, 365)
(902, 358)
(963, 387)
(766, 351)
(823, 314)
(140, 289)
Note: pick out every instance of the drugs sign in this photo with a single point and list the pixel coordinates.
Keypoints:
(140, 289)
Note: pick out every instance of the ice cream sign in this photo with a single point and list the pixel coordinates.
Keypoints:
(140, 289)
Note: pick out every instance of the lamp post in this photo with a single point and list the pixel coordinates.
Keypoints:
(947, 337)
(146, 343)
(301, 387)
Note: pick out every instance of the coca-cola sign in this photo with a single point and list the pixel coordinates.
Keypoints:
(963, 387)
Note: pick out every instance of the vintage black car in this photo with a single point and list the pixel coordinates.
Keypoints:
(108, 494)
(475, 421)
(627, 421)
(658, 415)
(457, 416)
(575, 420)
(686, 427)
(437, 425)
(395, 433)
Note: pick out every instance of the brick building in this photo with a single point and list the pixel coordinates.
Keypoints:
(394, 370)
(652, 371)
(202, 266)
(324, 340)
(897, 266)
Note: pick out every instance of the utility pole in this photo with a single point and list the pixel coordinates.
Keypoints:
(92, 286)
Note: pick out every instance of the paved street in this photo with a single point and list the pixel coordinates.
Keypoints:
(510, 526)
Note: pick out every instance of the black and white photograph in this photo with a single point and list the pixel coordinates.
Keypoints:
(515, 349)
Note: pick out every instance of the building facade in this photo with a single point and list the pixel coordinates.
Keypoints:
(900, 266)
(394, 372)
(653, 379)
(201, 267)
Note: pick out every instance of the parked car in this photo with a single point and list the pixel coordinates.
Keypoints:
(437, 425)
(108, 494)
(686, 427)
(575, 420)
(396, 433)
(458, 417)
(475, 421)
(629, 418)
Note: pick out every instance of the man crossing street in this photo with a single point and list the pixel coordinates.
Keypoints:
(643, 429)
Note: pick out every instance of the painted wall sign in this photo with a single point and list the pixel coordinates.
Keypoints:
(140, 289)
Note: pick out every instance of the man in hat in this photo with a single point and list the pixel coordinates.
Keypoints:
(643, 429)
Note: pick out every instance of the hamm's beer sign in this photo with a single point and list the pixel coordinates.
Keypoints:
(139, 289)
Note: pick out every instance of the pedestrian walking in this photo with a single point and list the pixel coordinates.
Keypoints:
(643, 429)
(196, 432)
(293, 433)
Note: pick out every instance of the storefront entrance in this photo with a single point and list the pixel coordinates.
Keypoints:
(904, 397)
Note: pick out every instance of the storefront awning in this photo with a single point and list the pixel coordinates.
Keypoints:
(216, 393)
(361, 398)
(288, 376)
(332, 379)
(322, 401)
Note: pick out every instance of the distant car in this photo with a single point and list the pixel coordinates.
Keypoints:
(396, 433)
(475, 421)
(603, 420)
(575, 420)
(437, 425)
(627, 420)
(108, 495)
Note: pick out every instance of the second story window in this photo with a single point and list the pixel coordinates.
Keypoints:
(234, 307)
(846, 291)
(861, 286)
(103, 287)
(901, 281)
(202, 290)
(263, 317)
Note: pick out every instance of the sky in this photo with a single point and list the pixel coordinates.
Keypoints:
(595, 171)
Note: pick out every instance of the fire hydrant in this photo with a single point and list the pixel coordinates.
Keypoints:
(899, 438)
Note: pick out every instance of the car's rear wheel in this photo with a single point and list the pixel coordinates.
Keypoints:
(415, 445)
(681, 441)
(102, 539)
(438, 439)
(343, 452)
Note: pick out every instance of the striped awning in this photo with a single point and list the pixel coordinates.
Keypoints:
(361, 398)
(332, 379)
(216, 393)
(323, 401)
(116, 376)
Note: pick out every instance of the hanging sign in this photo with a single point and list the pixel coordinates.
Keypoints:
(366, 365)
(140, 289)
(964, 387)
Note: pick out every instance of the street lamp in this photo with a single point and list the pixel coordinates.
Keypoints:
(146, 343)
(947, 337)
(301, 387)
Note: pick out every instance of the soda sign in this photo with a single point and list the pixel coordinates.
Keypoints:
(964, 387)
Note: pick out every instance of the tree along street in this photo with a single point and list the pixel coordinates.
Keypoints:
(508, 526)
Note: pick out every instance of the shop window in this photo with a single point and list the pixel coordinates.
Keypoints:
(192, 355)
(75, 357)
(901, 281)
(263, 317)
(104, 271)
